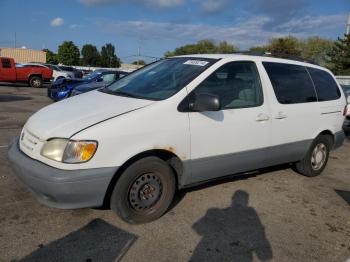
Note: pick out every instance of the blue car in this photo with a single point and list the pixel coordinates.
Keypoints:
(62, 88)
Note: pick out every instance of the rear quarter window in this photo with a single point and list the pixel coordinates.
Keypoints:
(326, 87)
(6, 63)
(291, 83)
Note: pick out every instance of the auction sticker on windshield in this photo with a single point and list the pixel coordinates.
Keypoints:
(196, 62)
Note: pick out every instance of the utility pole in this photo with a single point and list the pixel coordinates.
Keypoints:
(348, 25)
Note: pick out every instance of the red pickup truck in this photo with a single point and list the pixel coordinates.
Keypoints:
(33, 75)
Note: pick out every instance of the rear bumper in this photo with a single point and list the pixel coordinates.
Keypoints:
(339, 139)
(59, 188)
(346, 126)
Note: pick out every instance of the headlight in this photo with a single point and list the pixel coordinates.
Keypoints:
(69, 151)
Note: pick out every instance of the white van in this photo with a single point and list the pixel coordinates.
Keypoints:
(176, 123)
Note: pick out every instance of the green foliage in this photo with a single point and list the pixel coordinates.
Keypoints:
(108, 56)
(259, 49)
(203, 47)
(339, 61)
(51, 57)
(316, 49)
(68, 53)
(139, 62)
(90, 55)
(285, 46)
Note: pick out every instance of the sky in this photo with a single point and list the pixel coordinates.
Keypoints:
(157, 26)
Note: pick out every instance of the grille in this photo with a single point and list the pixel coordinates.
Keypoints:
(28, 140)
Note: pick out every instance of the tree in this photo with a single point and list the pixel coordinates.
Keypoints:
(259, 49)
(68, 53)
(316, 49)
(285, 46)
(226, 48)
(203, 47)
(139, 62)
(90, 55)
(108, 56)
(339, 61)
(51, 57)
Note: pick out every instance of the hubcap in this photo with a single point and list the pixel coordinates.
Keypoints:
(145, 192)
(36, 83)
(318, 157)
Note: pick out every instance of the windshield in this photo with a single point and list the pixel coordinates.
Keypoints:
(160, 80)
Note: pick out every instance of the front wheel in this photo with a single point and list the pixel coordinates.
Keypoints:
(36, 82)
(144, 191)
(316, 158)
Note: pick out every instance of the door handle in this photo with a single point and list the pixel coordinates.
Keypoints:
(262, 118)
(281, 115)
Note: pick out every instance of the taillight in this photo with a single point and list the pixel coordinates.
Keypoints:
(345, 111)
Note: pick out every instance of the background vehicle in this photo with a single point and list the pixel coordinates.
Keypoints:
(34, 75)
(346, 125)
(59, 73)
(77, 73)
(62, 88)
(104, 81)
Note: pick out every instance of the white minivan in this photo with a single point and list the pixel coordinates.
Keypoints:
(176, 123)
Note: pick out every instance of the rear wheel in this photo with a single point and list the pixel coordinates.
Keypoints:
(144, 191)
(36, 82)
(316, 158)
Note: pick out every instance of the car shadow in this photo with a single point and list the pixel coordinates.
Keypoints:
(234, 233)
(344, 195)
(97, 241)
(12, 98)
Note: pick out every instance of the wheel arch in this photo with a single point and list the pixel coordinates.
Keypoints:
(327, 132)
(169, 157)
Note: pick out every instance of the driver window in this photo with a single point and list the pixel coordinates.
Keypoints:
(237, 84)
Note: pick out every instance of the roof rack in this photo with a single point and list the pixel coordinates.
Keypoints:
(278, 55)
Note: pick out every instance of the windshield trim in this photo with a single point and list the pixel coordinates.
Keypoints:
(213, 61)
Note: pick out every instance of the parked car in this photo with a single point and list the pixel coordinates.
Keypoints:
(104, 81)
(59, 73)
(176, 123)
(77, 73)
(346, 125)
(62, 88)
(33, 75)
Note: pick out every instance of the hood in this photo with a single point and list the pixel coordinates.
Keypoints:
(61, 81)
(89, 86)
(67, 117)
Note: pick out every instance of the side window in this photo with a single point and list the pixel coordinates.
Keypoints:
(108, 78)
(237, 84)
(291, 83)
(6, 63)
(326, 87)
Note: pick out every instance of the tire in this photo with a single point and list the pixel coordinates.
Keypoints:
(316, 158)
(36, 82)
(144, 191)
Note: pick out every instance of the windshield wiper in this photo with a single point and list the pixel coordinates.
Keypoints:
(121, 93)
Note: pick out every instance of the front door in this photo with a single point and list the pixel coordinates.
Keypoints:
(7, 70)
(235, 138)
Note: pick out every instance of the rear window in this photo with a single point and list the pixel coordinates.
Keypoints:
(291, 83)
(326, 87)
(6, 63)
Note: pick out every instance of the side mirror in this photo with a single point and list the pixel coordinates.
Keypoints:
(99, 80)
(205, 102)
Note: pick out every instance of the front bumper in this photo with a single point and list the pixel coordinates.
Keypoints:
(66, 189)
